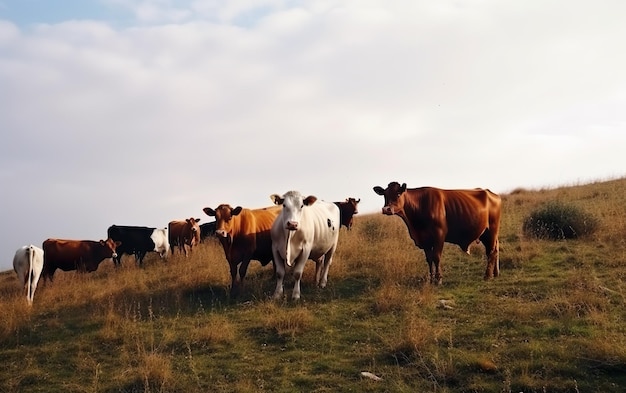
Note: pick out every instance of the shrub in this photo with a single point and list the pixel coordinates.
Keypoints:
(558, 221)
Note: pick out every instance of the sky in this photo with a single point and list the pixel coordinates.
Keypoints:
(139, 112)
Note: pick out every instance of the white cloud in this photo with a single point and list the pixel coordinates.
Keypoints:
(204, 102)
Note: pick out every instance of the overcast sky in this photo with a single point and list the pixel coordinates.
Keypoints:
(137, 112)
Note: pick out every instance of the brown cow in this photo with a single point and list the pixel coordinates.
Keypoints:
(183, 233)
(348, 209)
(80, 255)
(245, 235)
(434, 216)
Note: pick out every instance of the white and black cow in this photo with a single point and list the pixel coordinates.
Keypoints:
(28, 264)
(305, 229)
(138, 241)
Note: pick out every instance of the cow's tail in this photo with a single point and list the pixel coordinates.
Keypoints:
(31, 258)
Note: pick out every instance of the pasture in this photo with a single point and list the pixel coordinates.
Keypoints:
(554, 321)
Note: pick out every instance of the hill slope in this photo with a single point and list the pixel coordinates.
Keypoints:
(553, 320)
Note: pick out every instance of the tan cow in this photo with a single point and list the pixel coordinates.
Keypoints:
(434, 216)
(244, 235)
(184, 233)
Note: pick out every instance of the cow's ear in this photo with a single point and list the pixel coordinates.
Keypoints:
(277, 199)
(403, 188)
(358, 200)
(118, 243)
(209, 212)
(308, 201)
(197, 220)
(236, 210)
(379, 190)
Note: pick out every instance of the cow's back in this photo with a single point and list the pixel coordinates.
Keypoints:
(60, 254)
(251, 232)
(175, 232)
(133, 238)
(28, 260)
(320, 224)
(468, 213)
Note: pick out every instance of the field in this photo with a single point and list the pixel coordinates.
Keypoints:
(554, 321)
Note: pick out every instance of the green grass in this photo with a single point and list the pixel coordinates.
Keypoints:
(552, 322)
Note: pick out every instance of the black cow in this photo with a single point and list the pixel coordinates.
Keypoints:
(207, 230)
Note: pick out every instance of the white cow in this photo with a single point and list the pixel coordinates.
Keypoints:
(28, 264)
(161, 242)
(305, 229)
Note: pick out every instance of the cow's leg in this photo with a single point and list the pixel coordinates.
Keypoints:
(328, 260)
(433, 257)
(493, 254)
(234, 281)
(279, 265)
(297, 274)
(139, 255)
(429, 260)
(319, 265)
(243, 269)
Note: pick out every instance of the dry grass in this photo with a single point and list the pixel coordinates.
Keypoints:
(552, 322)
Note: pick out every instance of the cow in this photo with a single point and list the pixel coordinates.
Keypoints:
(347, 210)
(207, 230)
(138, 241)
(305, 229)
(80, 255)
(434, 216)
(183, 234)
(244, 235)
(28, 264)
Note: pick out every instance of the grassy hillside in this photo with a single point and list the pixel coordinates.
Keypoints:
(552, 322)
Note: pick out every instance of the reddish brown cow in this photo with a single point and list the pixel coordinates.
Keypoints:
(80, 255)
(183, 233)
(348, 209)
(434, 216)
(245, 235)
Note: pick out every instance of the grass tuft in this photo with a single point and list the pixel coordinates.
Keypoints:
(559, 221)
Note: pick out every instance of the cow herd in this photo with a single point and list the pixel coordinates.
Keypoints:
(290, 232)
(243, 236)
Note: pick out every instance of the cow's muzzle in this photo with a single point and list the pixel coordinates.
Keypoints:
(292, 225)
(221, 233)
(387, 210)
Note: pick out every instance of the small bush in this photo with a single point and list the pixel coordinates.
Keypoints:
(557, 221)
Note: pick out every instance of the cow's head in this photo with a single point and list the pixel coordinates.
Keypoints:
(223, 214)
(353, 202)
(107, 250)
(111, 246)
(394, 201)
(292, 203)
